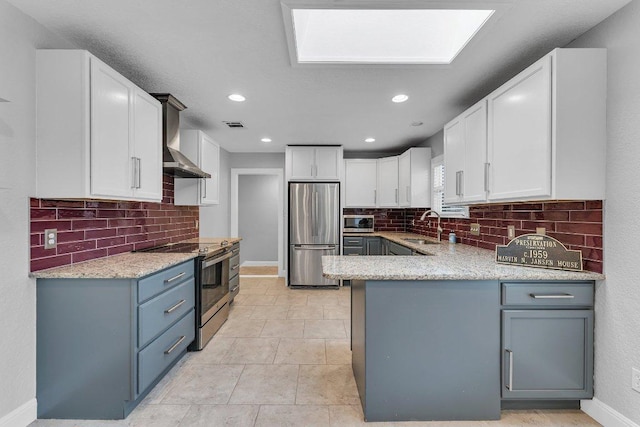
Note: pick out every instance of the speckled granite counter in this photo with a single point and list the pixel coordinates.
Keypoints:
(446, 262)
(131, 265)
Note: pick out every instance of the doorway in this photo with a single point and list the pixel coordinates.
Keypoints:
(257, 216)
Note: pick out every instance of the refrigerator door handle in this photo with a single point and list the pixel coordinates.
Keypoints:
(313, 248)
(315, 225)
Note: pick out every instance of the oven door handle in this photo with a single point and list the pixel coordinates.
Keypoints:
(210, 262)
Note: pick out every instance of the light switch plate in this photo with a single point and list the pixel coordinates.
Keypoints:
(475, 229)
(511, 231)
(50, 238)
(541, 230)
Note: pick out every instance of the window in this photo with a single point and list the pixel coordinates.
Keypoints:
(438, 205)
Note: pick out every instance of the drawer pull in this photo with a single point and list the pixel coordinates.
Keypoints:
(235, 251)
(551, 296)
(509, 385)
(176, 344)
(175, 277)
(175, 307)
(233, 290)
(235, 267)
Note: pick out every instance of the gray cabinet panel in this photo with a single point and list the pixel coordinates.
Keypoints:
(396, 249)
(547, 354)
(353, 250)
(552, 294)
(373, 245)
(353, 241)
(159, 282)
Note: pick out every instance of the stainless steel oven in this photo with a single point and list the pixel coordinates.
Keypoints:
(357, 223)
(212, 303)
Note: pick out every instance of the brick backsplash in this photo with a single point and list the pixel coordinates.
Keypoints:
(89, 229)
(392, 219)
(577, 224)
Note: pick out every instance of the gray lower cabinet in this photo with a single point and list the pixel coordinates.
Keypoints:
(234, 272)
(396, 249)
(547, 341)
(373, 245)
(353, 246)
(102, 344)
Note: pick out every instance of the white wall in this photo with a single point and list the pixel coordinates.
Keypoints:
(19, 37)
(258, 217)
(257, 160)
(617, 338)
(215, 220)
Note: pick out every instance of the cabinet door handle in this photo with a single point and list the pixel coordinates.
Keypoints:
(457, 183)
(551, 296)
(375, 197)
(461, 183)
(139, 172)
(175, 307)
(134, 172)
(176, 344)
(235, 267)
(408, 194)
(509, 384)
(396, 195)
(175, 277)
(205, 187)
(486, 176)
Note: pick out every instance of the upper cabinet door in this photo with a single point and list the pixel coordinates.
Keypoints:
(388, 182)
(404, 179)
(520, 135)
(328, 160)
(360, 182)
(210, 162)
(147, 130)
(474, 179)
(112, 160)
(301, 163)
(453, 159)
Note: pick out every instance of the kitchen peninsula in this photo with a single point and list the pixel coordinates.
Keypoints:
(455, 336)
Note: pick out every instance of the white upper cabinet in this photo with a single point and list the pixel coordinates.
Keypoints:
(205, 153)
(465, 149)
(388, 182)
(360, 183)
(542, 135)
(310, 163)
(414, 178)
(98, 135)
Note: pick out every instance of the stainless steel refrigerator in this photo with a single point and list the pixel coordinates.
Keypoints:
(314, 231)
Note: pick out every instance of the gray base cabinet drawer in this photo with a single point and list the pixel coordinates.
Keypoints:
(352, 250)
(160, 282)
(547, 294)
(156, 315)
(353, 241)
(164, 350)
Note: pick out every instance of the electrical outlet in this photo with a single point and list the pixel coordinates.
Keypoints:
(50, 238)
(475, 229)
(635, 379)
(511, 231)
(541, 230)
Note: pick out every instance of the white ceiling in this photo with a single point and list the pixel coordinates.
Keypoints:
(203, 50)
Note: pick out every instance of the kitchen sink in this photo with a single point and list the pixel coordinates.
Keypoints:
(421, 241)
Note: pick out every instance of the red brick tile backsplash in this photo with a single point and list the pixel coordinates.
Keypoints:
(89, 229)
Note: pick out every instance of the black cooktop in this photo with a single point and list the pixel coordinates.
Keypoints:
(181, 248)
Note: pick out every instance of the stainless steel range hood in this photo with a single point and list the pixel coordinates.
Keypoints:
(173, 161)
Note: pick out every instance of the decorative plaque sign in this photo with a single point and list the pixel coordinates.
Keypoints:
(537, 250)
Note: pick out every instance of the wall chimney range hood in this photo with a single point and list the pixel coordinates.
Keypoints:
(173, 161)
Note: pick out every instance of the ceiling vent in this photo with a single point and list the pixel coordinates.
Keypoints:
(234, 125)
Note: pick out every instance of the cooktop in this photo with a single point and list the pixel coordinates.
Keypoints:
(182, 248)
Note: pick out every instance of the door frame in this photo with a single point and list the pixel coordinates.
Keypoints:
(235, 174)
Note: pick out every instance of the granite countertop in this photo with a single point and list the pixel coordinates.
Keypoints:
(130, 265)
(445, 261)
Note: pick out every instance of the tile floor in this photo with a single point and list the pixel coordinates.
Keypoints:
(282, 359)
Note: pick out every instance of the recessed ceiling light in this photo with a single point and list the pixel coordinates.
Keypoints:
(400, 98)
(370, 35)
(370, 140)
(266, 140)
(236, 97)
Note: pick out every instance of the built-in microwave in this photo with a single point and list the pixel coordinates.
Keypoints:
(357, 223)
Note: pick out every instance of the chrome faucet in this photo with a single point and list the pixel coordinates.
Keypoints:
(424, 215)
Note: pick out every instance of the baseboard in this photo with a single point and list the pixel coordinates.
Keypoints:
(605, 414)
(259, 264)
(22, 416)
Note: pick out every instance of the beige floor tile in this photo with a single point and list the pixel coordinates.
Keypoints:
(249, 280)
(332, 329)
(252, 350)
(567, 418)
(240, 311)
(157, 415)
(305, 312)
(273, 281)
(340, 312)
(293, 416)
(351, 416)
(277, 289)
(248, 299)
(344, 300)
(189, 387)
(161, 389)
(270, 312)
(213, 353)
(323, 299)
(220, 415)
(338, 352)
(241, 328)
(326, 385)
(252, 289)
(283, 328)
(291, 299)
(266, 384)
(79, 423)
(300, 351)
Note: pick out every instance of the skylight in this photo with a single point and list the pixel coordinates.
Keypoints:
(377, 36)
